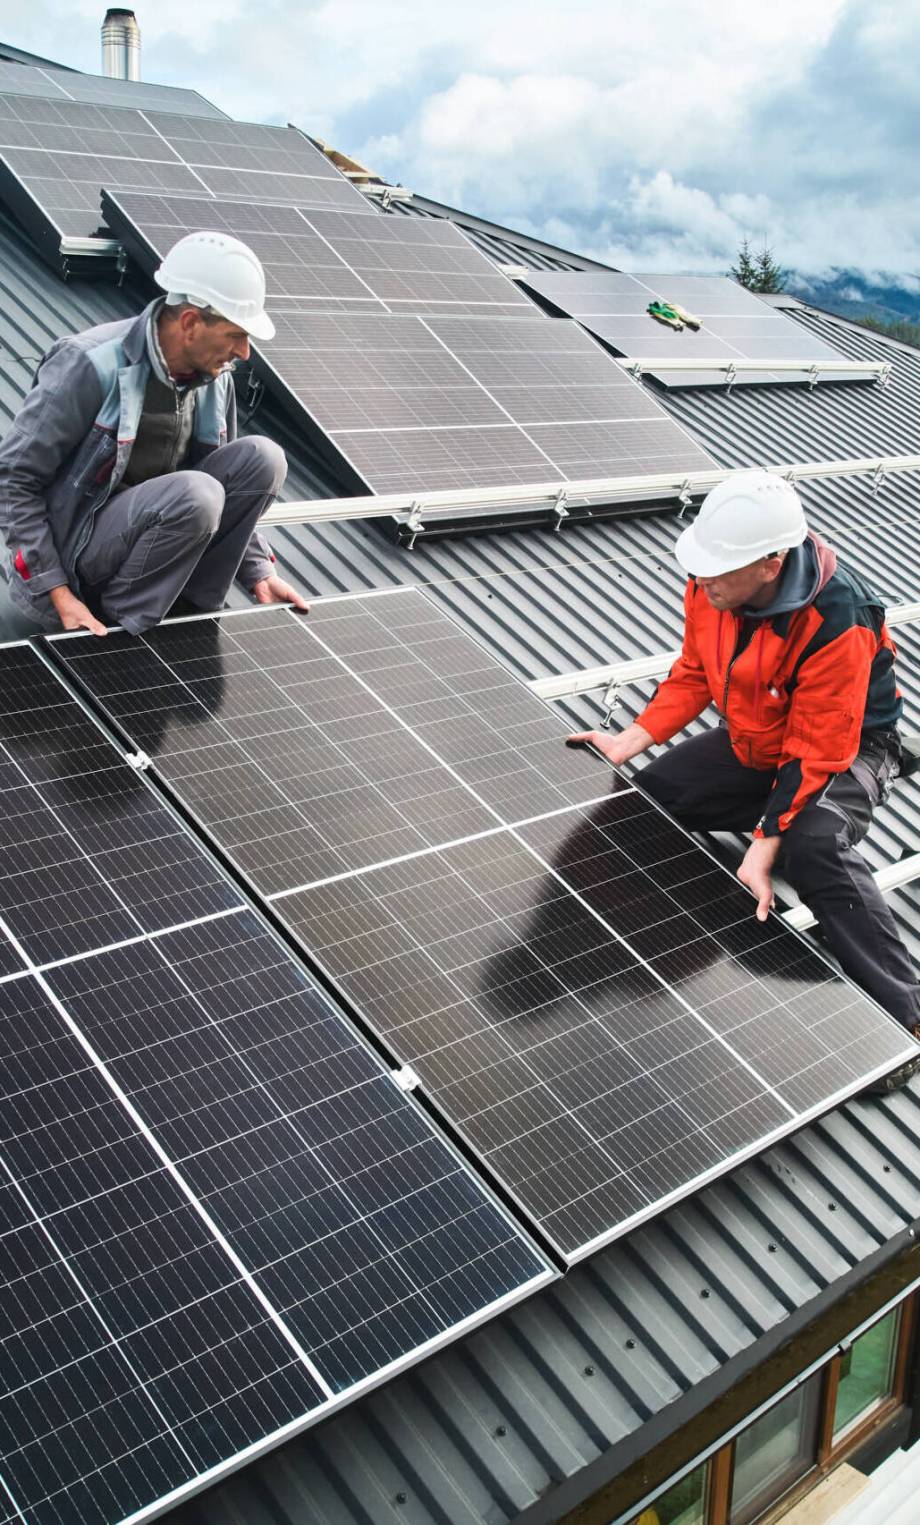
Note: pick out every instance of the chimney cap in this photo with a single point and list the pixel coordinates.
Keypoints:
(119, 10)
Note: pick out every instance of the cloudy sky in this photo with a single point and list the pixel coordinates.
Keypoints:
(652, 136)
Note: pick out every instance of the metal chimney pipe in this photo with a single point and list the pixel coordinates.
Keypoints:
(121, 44)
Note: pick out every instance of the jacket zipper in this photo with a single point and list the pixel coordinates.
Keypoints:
(728, 671)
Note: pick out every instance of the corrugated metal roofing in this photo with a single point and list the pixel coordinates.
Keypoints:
(531, 1410)
(503, 245)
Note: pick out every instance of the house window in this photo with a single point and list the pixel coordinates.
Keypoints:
(867, 1372)
(785, 1452)
(684, 1504)
(775, 1452)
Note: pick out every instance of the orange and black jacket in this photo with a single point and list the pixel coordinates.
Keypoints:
(797, 682)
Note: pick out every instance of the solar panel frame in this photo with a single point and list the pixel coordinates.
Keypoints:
(57, 155)
(121, 1007)
(393, 374)
(99, 89)
(735, 325)
(695, 940)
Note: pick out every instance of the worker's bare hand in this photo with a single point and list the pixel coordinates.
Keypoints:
(756, 873)
(274, 590)
(617, 749)
(73, 613)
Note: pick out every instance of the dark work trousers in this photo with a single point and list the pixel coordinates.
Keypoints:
(704, 786)
(183, 533)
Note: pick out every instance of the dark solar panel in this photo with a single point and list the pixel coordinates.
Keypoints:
(735, 323)
(57, 155)
(97, 89)
(428, 402)
(579, 987)
(220, 1211)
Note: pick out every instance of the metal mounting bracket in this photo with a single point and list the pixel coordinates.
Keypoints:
(414, 525)
(137, 760)
(559, 508)
(406, 1078)
(611, 702)
(878, 477)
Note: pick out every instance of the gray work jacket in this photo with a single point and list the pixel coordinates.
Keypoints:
(67, 449)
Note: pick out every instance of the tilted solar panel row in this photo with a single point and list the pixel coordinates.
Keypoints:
(221, 1216)
(582, 992)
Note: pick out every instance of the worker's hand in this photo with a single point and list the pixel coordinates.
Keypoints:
(756, 872)
(73, 614)
(616, 749)
(273, 590)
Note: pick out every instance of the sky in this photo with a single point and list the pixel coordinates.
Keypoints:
(651, 136)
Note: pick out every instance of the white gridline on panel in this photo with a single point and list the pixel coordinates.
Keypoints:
(151, 938)
(418, 1289)
(798, 1117)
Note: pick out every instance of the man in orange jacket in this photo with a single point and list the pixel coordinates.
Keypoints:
(793, 650)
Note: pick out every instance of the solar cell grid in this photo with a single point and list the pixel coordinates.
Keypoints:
(735, 325)
(580, 989)
(297, 758)
(599, 1053)
(220, 1211)
(69, 85)
(58, 155)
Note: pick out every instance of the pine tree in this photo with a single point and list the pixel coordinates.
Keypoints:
(745, 272)
(758, 272)
(769, 276)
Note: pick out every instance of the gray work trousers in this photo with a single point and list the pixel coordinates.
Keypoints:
(186, 533)
(704, 786)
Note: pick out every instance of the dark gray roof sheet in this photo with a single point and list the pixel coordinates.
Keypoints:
(549, 602)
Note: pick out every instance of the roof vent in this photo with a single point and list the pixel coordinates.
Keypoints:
(121, 45)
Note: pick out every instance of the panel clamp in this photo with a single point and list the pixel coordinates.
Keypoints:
(406, 1078)
(138, 760)
(610, 701)
(559, 508)
(414, 524)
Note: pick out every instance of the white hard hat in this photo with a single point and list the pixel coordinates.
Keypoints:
(216, 270)
(747, 516)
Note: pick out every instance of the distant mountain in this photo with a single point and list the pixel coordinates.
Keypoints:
(889, 298)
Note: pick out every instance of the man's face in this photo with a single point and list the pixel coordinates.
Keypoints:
(210, 346)
(751, 584)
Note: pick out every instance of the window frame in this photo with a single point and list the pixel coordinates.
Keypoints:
(828, 1453)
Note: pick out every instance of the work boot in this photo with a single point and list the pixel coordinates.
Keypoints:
(899, 1077)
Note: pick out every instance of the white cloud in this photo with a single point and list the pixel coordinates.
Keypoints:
(655, 134)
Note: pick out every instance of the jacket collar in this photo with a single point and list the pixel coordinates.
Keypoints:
(135, 340)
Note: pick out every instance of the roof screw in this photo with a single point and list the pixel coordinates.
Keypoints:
(402, 1498)
(500, 1430)
(832, 1207)
(630, 1344)
(772, 1248)
(887, 1169)
(705, 1292)
(589, 1371)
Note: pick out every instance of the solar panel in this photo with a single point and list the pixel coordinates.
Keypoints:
(735, 324)
(56, 155)
(578, 986)
(97, 89)
(221, 1216)
(427, 403)
(337, 261)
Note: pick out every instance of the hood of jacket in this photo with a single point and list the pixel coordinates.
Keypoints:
(807, 569)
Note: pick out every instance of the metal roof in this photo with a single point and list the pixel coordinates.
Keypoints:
(519, 1420)
(501, 244)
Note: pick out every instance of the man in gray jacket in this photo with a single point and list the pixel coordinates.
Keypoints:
(123, 488)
